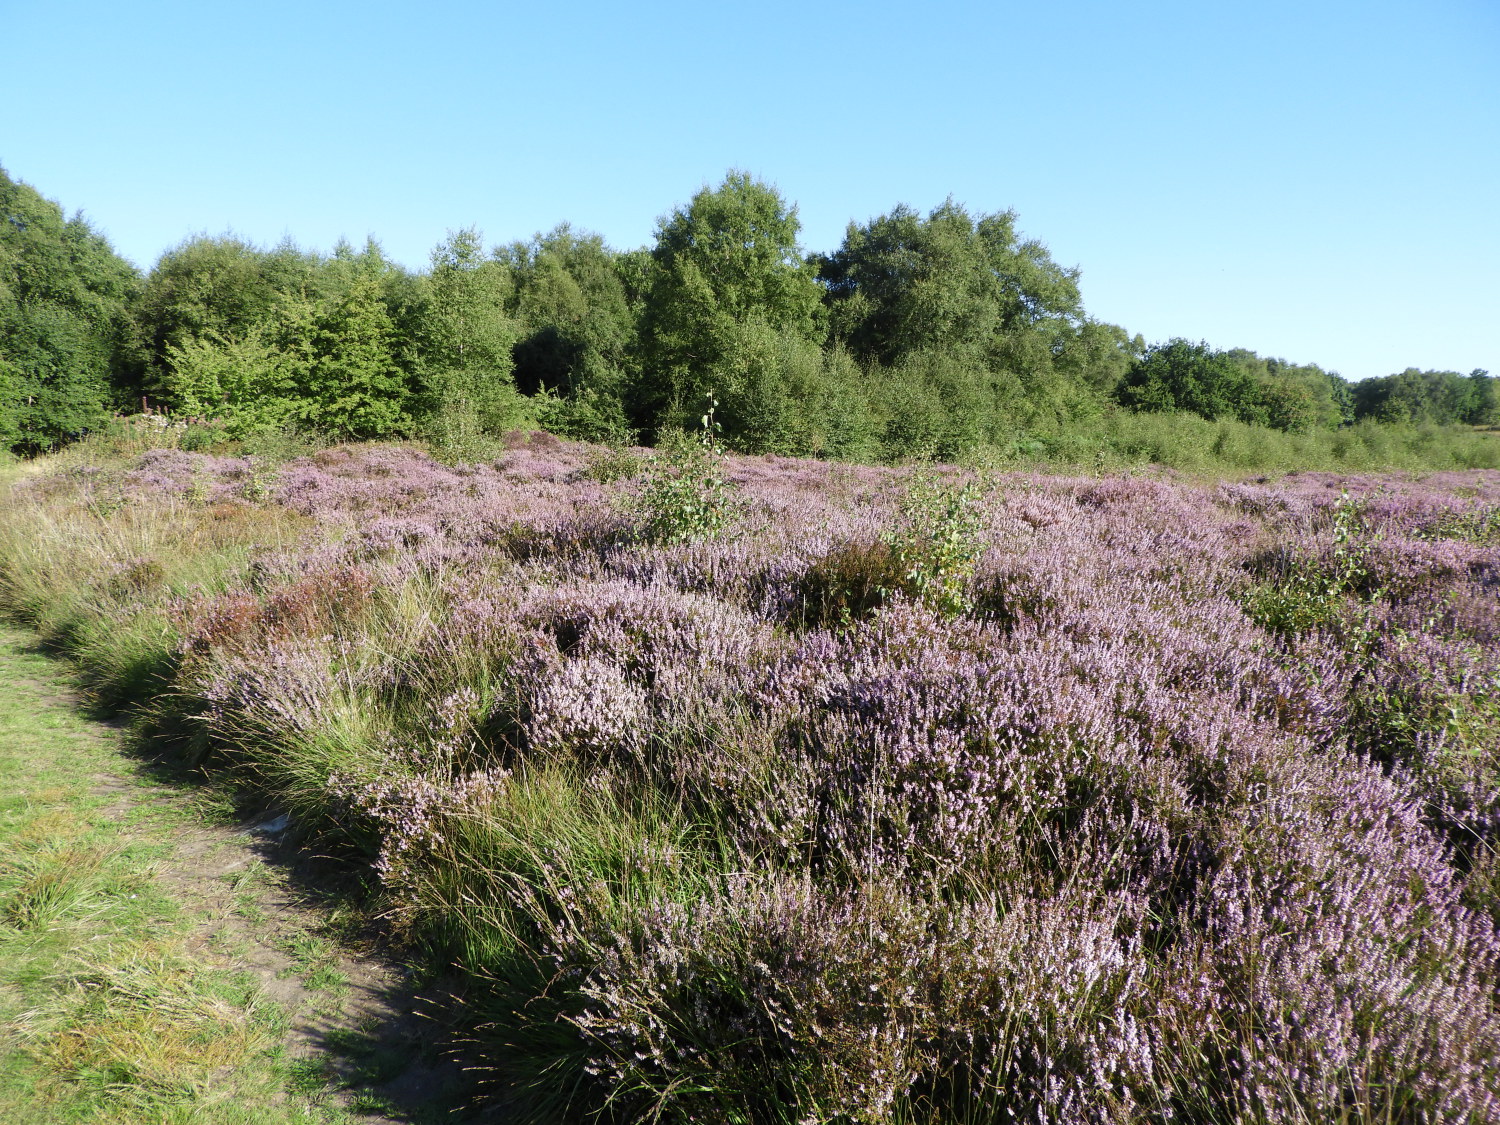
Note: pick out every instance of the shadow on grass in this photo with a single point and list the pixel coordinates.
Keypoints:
(391, 1051)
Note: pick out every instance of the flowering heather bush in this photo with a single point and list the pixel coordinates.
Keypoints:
(1145, 800)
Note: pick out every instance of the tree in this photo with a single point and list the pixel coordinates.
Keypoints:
(216, 289)
(1482, 406)
(1180, 375)
(351, 385)
(1099, 355)
(728, 271)
(951, 282)
(1437, 397)
(249, 383)
(65, 298)
(11, 399)
(468, 335)
(579, 330)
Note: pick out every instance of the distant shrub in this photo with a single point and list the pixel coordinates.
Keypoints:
(1185, 441)
(456, 436)
(613, 463)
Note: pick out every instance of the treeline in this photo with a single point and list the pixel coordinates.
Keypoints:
(921, 335)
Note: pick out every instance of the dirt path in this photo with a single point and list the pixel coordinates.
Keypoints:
(330, 1023)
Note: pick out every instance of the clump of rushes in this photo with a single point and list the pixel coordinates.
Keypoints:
(927, 802)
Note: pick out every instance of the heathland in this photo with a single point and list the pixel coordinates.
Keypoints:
(780, 773)
(758, 789)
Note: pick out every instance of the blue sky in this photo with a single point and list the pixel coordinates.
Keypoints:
(1318, 180)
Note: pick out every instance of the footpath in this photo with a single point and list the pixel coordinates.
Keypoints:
(161, 962)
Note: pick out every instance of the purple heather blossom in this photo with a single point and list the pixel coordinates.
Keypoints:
(1105, 848)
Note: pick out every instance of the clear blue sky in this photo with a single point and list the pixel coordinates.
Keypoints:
(1317, 180)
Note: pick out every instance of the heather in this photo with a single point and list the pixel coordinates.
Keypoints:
(772, 790)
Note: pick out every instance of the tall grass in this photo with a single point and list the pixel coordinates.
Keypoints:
(1121, 439)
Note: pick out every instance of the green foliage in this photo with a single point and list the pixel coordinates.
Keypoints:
(686, 494)
(950, 282)
(969, 331)
(1099, 356)
(933, 407)
(1180, 375)
(938, 546)
(64, 308)
(1238, 384)
(579, 326)
(613, 463)
(12, 399)
(1436, 397)
(249, 383)
(1477, 524)
(929, 555)
(468, 336)
(1296, 397)
(937, 335)
(1305, 594)
(264, 339)
(1425, 720)
(213, 290)
(586, 415)
(780, 392)
(351, 386)
(728, 279)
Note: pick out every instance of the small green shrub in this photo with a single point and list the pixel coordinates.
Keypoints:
(848, 584)
(613, 463)
(939, 543)
(283, 444)
(687, 494)
(929, 556)
(456, 435)
(1479, 524)
(1302, 594)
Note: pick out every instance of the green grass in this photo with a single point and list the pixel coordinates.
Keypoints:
(1120, 439)
(107, 1014)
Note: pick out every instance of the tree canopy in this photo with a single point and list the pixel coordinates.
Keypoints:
(65, 300)
(923, 334)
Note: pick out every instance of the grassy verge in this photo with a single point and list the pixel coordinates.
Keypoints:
(111, 1008)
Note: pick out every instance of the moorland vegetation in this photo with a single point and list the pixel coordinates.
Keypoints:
(770, 790)
(744, 787)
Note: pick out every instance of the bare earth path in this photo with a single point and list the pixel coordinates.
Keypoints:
(159, 964)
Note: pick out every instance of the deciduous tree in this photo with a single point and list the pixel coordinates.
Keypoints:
(64, 309)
